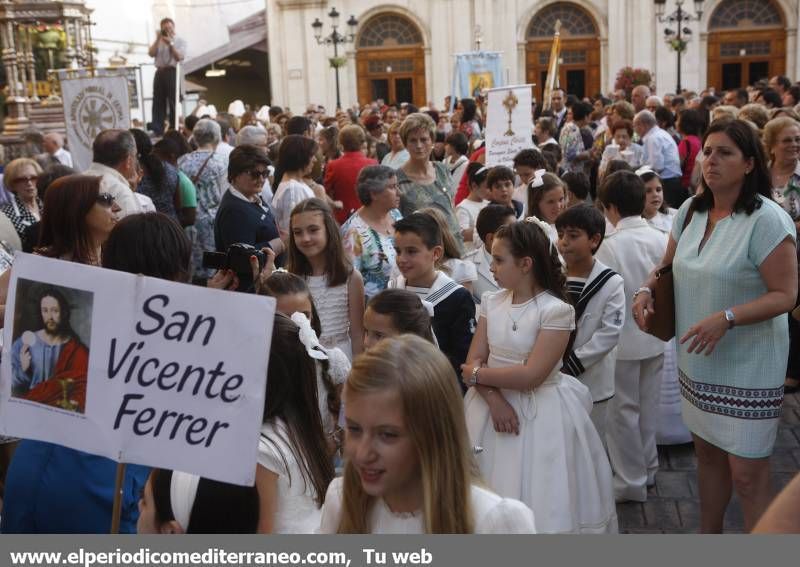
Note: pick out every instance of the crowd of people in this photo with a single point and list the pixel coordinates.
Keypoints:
(458, 348)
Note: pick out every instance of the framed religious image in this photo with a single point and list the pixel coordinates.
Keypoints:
(49, 353)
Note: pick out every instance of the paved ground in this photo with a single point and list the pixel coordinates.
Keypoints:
(672, 505)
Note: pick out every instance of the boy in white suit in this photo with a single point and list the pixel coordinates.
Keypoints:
(598, 294)
(632, 251)
(489, 220)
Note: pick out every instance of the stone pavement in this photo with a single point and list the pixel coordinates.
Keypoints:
(672, 504)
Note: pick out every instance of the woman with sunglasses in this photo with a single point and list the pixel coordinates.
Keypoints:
(25, 206)
(243, 217)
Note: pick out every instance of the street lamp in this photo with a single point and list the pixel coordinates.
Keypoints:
(675, 37)
(336, 39)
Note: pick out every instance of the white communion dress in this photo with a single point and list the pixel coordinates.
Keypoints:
(557, 464)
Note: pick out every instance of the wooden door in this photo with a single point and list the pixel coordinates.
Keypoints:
(393, 73)
(740, 58)
(579, 69)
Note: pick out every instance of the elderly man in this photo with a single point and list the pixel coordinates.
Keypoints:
(661, 154)
(114, 159)
(653, 102)
(736, 97)
(167, 50)
(639, 97)
(53, 144)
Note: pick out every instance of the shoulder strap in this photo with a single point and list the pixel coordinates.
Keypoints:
(196, 176)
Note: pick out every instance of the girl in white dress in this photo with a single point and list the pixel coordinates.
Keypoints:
(315, 253)
(539, 444)
(294, 463)
(410, 466)
(671, 429)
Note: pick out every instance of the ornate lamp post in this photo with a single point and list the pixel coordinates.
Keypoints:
(676, 37)
(336, 39)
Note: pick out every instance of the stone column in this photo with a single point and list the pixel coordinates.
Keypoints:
(31, 61)
(22, 58)
(16, 118)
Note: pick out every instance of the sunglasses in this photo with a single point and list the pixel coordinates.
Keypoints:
(32, 179)
(258, 174)
(106, 199)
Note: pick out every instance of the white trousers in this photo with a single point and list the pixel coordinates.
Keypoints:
(598, 416)
(631, 426)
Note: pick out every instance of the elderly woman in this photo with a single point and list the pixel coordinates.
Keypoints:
(242, 216)
(368, 235)
(257, 136)
(732, 250)
(622, 148)
(25, 207)
(398, 154)
(424, 183)
(208, 171)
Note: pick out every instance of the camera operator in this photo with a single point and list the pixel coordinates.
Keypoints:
(167, 50)
(242, 216)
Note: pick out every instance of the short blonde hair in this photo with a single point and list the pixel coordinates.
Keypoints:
(414, 122)
(754, 113)
(774, 128)
(724, 111)
(15, 167)
(351, 138)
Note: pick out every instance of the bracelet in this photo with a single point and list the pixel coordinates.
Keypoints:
(474, 379)
(646, 290)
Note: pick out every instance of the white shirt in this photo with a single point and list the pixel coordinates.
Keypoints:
(290, 192)
(491, 513)
(661, 153)
(115, 184)
(63, 157)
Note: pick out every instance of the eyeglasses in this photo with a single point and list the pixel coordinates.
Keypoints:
(256, 174)
(32, 179)
(106, 200)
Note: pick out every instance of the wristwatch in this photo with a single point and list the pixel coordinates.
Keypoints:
(646, 290)
(730, 318)
(473, 380)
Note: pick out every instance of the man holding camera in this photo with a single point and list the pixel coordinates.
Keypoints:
(167, 50)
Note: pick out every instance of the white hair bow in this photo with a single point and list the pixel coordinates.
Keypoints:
(538, 179)
(182, 492)
(308, 337)
(644, 169)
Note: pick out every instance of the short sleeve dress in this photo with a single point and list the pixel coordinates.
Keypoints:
(557, 465)
(492, 514)
(733, 397)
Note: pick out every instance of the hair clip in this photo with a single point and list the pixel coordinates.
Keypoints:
(645, 169)
(308, 337)
(182, 492)
(538, 180)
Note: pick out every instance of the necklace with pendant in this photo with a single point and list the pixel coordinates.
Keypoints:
(515, 321)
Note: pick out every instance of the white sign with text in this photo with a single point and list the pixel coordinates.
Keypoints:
(136, 369)
(509, 124)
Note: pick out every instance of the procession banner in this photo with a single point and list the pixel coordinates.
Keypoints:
(509, 124)
(476, 72)
(91, 105)
(136, 369)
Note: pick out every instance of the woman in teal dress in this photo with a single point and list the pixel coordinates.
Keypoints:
(735, 273)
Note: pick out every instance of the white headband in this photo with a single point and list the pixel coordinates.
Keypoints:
(182, 492)
(645, 169)
(538, 179)
(308, 337)
(544, 227)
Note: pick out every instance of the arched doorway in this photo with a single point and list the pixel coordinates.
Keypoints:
(390, 61)
(579, 71)
(746, 42)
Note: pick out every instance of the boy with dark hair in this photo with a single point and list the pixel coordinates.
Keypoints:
(489, 220)
(577, 184)
(598, 294)
(501, 189)
(633, 250)
(526, 164)
(418, 242)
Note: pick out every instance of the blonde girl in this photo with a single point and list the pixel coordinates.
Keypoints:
(409, 464)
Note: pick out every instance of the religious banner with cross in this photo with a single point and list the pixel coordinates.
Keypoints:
(509, 124)
(93, 103)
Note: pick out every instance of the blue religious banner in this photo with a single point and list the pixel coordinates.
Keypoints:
(476, 72)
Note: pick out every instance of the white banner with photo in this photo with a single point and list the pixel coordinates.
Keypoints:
(91, 105)
(136, 369)
(509, 124)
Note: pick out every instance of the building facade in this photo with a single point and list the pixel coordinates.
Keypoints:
(403, 49)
